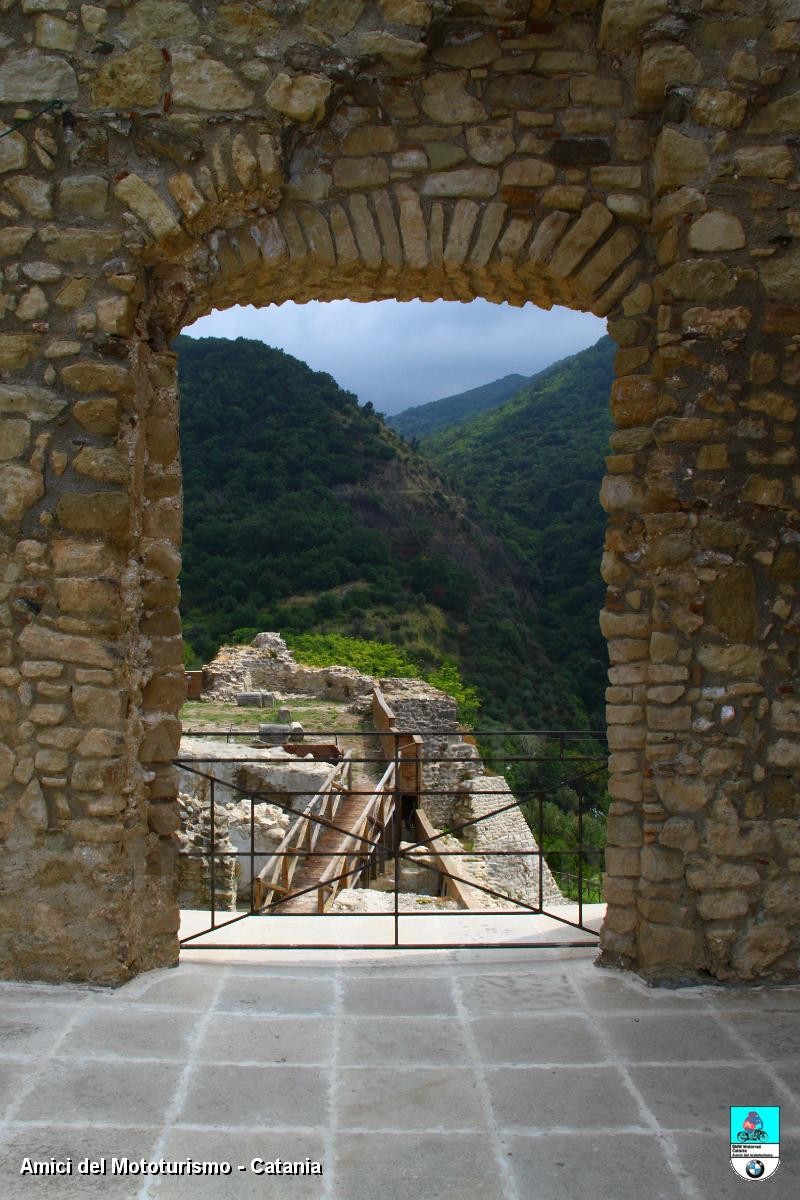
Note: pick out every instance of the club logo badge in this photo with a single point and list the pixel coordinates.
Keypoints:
(755, 1141)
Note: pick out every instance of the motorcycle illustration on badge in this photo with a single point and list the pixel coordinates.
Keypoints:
(755, 1141)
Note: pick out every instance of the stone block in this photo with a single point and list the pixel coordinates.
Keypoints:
(528, 172)
(447, 101)
(681, 795)
(579, 239)
(678, 160)
(659, 863)
(759, 947)
(142, 199)
(154, 20)
(490, 144)
(20, 488)
(13, 150)
(623, 862)
(403, 53)
(29, 75)
(16, 351)
(773, 162)
(719, 108)
(703, 279)
(623, 22)
(661, 65)
(360, 172)
(667, 948)
(470, 181)
(105, 513)
(208, 84)
(716, 231)
(130, 80)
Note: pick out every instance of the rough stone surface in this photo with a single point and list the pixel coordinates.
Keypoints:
(624, 158)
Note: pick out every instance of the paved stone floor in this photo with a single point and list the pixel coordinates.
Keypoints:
(458, 1075)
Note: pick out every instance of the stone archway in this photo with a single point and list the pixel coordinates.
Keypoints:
(614, 157)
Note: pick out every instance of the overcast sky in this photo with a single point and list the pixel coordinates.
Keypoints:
(400, 354)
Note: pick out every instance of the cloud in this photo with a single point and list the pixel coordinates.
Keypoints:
(401, 354)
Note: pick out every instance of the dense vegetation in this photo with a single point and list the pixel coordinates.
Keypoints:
(533, 469)
(382, 660)
(426, 419)
(305, 513)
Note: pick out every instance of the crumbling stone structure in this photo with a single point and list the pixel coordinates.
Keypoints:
(634, 158)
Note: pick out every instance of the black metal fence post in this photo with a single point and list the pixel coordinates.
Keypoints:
(213, 862)
(398, 830)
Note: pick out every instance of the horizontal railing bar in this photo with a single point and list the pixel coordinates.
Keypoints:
(429, 760)
(420, 732)
(409, 854)
(421, 911)
(392, 945)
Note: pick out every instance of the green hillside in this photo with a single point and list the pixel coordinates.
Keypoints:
(427, 419)
(305, 513)
(533, 469)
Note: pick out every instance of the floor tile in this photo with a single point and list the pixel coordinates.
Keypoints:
(424, 1099)
(31, 1029)
(237, 1037)
(601, 1166)
(285, 1097)
(400, 1041)
(240, 1149)
(788, 1072)
(283, 996)
(530, 1039)
(76, 1143)
(582, 1098)
(397, 997)
(670, 1037)
(128, 1033)
(416, 1167)
(13, 1076)
(509, 992)
(120, 1093)
(784, 998)
(697, 1098)
(706, 1160)
(189, 988)
(774, 1036)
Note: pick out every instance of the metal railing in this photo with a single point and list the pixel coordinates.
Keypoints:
(351, 831)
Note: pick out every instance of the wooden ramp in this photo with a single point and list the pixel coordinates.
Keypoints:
(332, 845)
(336, 853)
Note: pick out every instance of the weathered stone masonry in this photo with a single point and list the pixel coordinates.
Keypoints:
(636, 158)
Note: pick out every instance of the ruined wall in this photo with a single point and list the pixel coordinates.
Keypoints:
(635, 158)
(269, 664)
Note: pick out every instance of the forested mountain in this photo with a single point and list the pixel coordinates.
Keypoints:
(533, 469)
(426, 419)
(305, 512)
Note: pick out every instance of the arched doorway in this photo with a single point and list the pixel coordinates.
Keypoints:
(514, 152)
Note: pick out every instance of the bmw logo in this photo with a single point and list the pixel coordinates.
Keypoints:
(755, 1168)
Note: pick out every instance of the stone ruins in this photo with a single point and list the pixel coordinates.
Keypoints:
(633, 158)
(460, 790)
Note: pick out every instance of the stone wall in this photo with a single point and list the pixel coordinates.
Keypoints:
(456, 792)
(634, 158)
(270, 772)
(269, 664)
